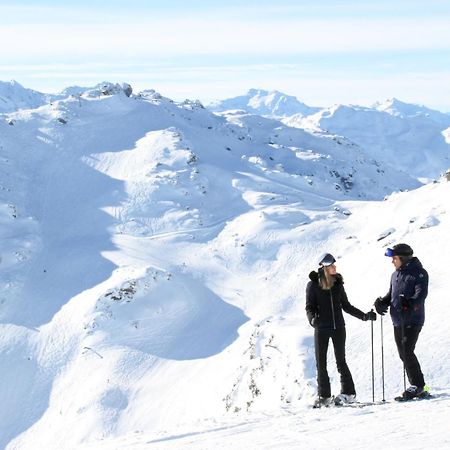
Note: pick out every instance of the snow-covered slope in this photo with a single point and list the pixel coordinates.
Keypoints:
(154, 262)
(401, 109)
(13, 96)
(411, 142)
(264, 103)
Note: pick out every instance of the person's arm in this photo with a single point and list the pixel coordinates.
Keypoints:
(420, 290)
(311, 304)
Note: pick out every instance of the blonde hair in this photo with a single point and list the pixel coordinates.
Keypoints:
(326, 280)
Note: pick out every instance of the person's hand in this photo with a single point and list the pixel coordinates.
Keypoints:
(371, 315)
(381, 307)
(314, 321)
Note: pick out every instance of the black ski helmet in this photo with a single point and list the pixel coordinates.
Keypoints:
(327, 259)
(400, 250)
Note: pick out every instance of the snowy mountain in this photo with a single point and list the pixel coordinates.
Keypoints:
(13, 96)
(264, 103)
(406, 110)
(153, 266)
(411, 142)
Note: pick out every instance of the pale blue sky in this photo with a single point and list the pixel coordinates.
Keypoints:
(321, 51)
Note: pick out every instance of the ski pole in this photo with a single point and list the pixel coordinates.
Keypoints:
(373, 376)
(402, 323)
(382, 357)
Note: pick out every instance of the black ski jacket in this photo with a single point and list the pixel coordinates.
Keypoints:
(327, 305)
(411, 281)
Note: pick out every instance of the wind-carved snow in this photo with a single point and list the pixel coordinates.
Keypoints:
(168, 315)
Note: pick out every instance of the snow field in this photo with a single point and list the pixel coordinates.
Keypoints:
(153, 270)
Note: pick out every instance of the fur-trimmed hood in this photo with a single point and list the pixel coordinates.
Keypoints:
(314, 277)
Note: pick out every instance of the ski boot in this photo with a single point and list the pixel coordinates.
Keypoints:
(413, 392)
(344, 399)
(323, 401)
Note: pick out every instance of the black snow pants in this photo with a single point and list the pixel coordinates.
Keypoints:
(406, 353)
(321, 339)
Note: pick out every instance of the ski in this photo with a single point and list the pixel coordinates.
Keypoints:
(424, 395)
(359, 404)
(402, 399)
(332, 404)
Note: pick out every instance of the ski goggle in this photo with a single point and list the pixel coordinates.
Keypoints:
(389, 252)
(327, 260)
(327, 263)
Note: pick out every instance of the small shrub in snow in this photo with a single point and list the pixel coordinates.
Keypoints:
(192, 158)
(13, 210)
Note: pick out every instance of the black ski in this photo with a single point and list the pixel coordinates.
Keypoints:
(424, 396)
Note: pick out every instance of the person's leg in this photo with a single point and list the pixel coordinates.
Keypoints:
(412, 365)
(398, 341)
(406, 352)
(321, 338)
(347, 385)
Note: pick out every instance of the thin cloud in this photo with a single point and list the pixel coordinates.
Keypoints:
(171, 38)
(340, 50)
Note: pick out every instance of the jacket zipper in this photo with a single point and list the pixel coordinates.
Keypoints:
(332, 309)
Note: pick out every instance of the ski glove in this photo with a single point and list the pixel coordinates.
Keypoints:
(314, 321)
(371, 315)
(380, 306)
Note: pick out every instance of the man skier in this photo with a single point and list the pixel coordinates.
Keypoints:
(406, 299)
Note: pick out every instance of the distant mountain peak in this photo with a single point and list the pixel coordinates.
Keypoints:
(13, 96)
(265, 103)
(252, 91)
(11, 86)
(396, 107)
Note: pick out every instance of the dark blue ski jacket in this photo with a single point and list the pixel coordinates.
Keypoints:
(411, 280)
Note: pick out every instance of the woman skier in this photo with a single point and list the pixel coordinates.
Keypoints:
(325, 300)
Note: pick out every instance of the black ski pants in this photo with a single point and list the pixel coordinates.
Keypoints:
(321, 339)
(406, 343)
